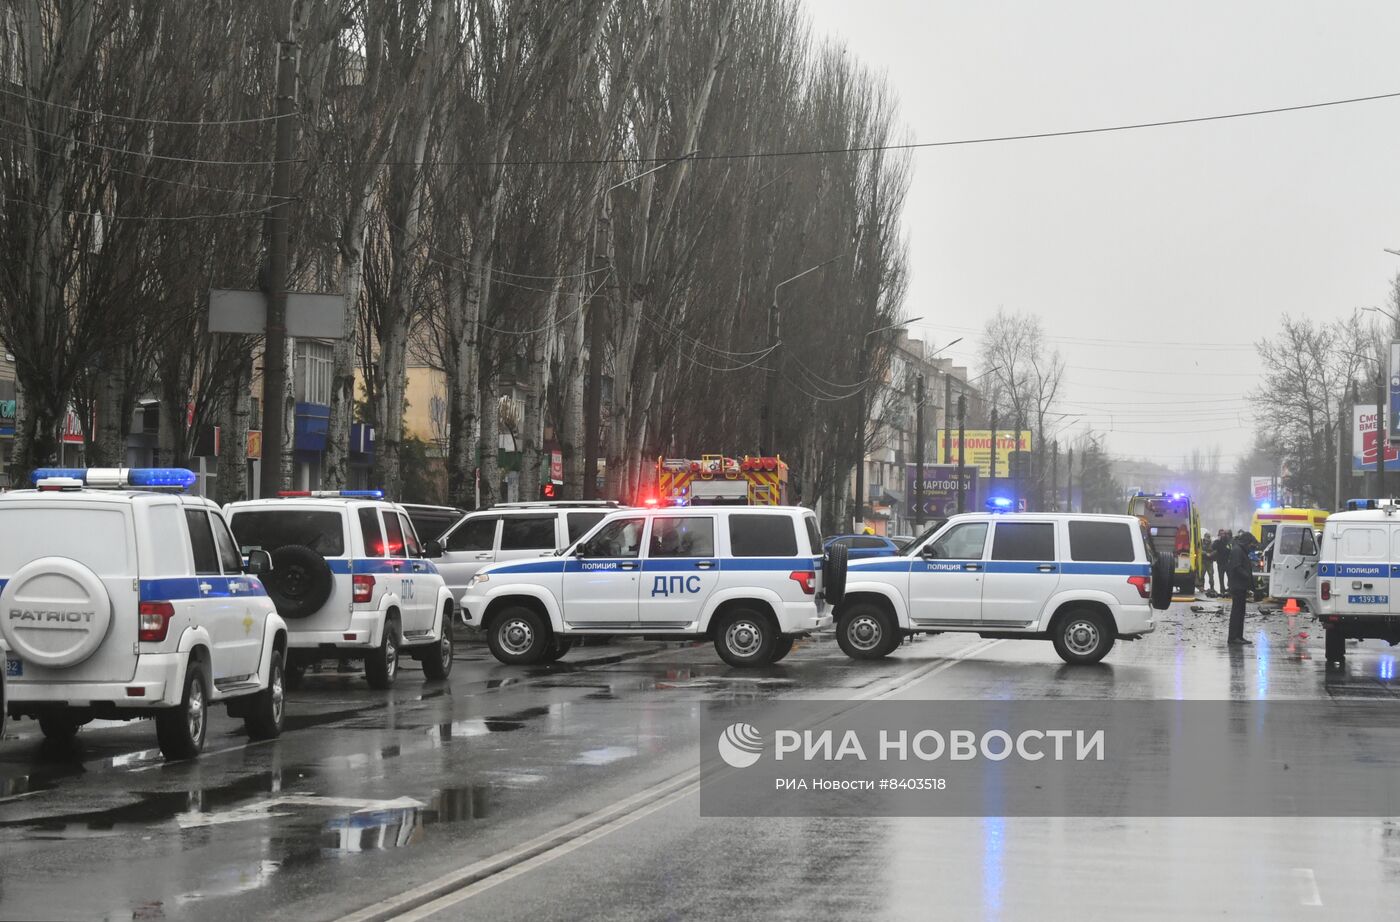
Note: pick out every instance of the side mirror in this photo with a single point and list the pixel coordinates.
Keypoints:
(259, 562)
(432, 548)
(929, 552)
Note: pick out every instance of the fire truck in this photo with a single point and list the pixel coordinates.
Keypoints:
(715, 480)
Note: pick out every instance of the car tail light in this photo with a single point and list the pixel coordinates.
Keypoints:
(807, 579)
(155, 621)
(1183, 540)
(1143, 584)
(1324, 590)
(363, 585)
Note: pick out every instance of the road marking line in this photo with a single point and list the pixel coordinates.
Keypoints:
(1308, 894)
(452, 899)
(456, 880)
(457, 886)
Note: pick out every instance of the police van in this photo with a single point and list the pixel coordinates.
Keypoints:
(751, 578)
(351, 579)
(1358, 575)
(120, 599)
(1079, 581)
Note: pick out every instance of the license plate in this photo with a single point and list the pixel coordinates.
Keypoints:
(1368, 600)
(14, 668)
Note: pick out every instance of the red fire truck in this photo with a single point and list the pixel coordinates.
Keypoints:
(715, 480)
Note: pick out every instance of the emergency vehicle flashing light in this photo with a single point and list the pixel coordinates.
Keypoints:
(150, 478)
(332, 494)
(999, 503)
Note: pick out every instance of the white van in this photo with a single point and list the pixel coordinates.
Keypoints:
(1358, 575)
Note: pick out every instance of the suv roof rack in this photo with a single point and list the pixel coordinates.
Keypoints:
(562, 504)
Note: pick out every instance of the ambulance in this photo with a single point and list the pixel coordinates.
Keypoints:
(1268, 519)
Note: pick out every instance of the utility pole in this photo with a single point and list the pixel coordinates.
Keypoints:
(593, 402)
(962, 452)
(947, 414)
(919, 453)
(1382, 425)
(770, 382)
(858, 515)
(1069, 479)
(279, 236)
(1055, 476)
(992, 485)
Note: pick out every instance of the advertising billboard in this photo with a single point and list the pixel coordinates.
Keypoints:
(1363, 441)
(1393, 403)
(1261, 488)
(940, 490)
(979, 449)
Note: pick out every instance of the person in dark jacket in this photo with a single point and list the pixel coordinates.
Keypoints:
(1222, 559)
(1208, 557)
(1241, 572)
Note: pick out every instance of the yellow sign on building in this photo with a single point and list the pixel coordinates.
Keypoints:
(979, 449)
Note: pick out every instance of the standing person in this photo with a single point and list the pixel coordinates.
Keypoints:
(1241, 585)
(1208, 556)
(1222, 559)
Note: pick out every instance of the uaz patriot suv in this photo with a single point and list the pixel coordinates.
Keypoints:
(1079, 581)
(752, 578)
(351, 579)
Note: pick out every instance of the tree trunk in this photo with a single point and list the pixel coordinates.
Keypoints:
(389, 410)
(235, 412)
(335, 472)
(572, 368)
(490, 437)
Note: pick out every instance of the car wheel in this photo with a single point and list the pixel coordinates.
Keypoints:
(782, 648)
(382, 663)
(519, 636)
(263, 719)
(834, 573)
(59, 727)
(181, 730)
(1083, 636)
(437, 664)
(745, 638)
(561, 646)
(1336, 645)
(867, 631)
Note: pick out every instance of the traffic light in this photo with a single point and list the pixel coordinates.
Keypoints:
(548, 491)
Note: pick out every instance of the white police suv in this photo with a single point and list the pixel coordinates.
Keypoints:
(121, 599)
(753, 578)
(1080, 581)
(1358, 575)
(351, 579)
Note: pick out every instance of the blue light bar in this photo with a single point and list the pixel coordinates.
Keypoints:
(114, 477)
(1266, 505)
(999, 502)
(161, 477)
(44, 473)
(363, 494)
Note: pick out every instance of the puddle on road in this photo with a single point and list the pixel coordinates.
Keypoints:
(480, 726)
(380, 830)
(604, 756)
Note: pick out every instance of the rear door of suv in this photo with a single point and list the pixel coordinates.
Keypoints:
(1023, 571)
(1361, 583)
(467, 548)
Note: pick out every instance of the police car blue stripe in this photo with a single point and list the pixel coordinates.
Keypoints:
(345, 566)
(1106, 569)
(768, 563)
(680, 563)
(1003, 566)
(882, 566)
(533, 566)
(1374, 569)
(179, 588)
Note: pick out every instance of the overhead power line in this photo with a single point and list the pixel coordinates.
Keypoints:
(194, 123)
(923, 145)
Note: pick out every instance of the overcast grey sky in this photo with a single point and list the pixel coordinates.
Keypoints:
(1200, 235)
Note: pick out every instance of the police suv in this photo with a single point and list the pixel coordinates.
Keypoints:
(121, 599)
(1079, 581)
(1358, 573)
(352, 580)
(753, 578)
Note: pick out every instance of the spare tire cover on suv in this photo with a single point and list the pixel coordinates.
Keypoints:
(1163, 574)
(300, 581)
(834, 573)
(54, 612)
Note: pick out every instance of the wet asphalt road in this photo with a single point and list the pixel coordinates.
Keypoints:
(370, 795)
